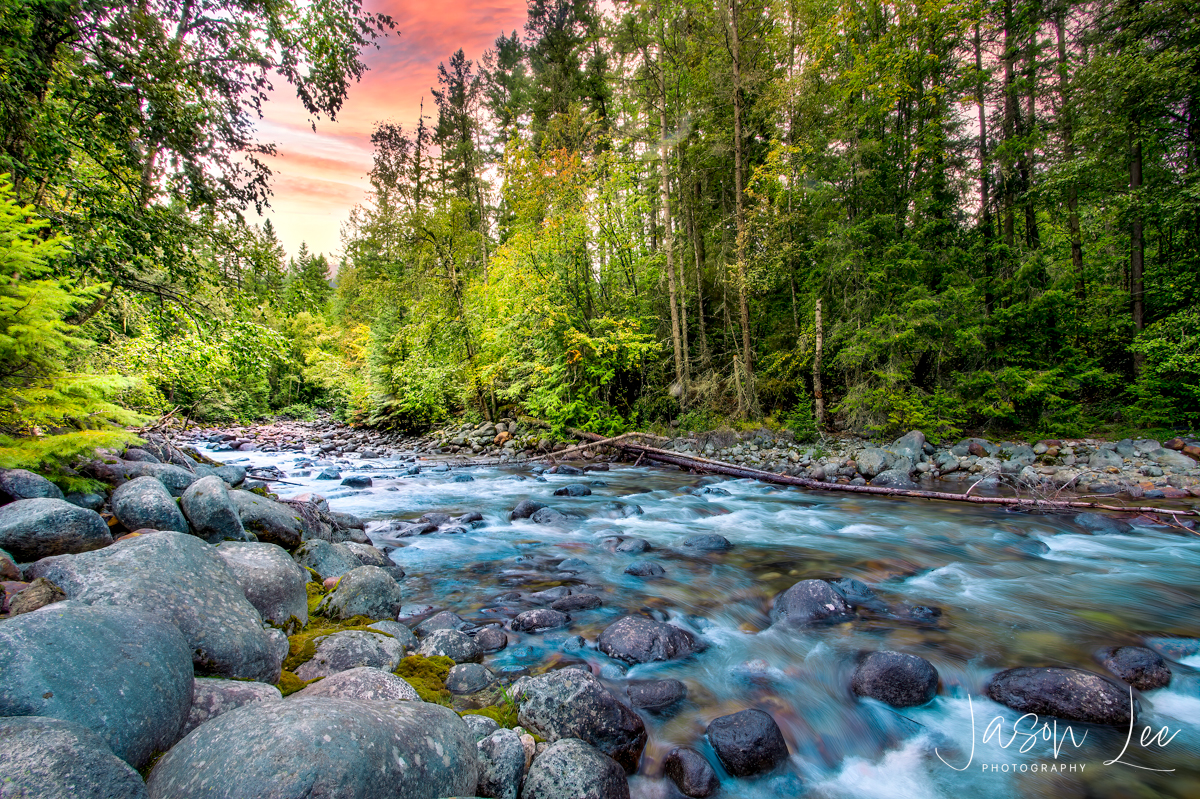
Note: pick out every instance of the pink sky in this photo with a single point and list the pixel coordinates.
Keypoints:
(320, 176)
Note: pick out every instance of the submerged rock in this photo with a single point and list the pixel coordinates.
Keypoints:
(748, 742)
(47, 758)
(1142, 668)
(637, 639)
(709, 542)
(540, 620)
(570, 769)
(1070, 694)
(810, 602)
(691, 773)
(645, 568)
(656, 695)
(897, 678)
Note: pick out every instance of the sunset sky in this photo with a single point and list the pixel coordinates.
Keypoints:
(320, 176)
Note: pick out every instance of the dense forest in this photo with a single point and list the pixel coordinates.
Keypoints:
(836, 215)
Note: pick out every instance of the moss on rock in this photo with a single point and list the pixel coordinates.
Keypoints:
(427, 676)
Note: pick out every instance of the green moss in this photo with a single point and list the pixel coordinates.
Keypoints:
(427, 676)
(503, 714)
(303, 645)
(289, 683)
(315, 594)
(150, 764)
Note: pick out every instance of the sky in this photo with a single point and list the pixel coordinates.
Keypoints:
(320, 176)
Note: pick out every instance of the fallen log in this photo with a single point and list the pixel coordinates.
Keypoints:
(719, 467)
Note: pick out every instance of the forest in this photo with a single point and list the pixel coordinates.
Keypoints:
(823, 215)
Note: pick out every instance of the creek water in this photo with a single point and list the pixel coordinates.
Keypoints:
(1012, 588)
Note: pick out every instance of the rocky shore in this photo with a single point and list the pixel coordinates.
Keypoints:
(185, 633)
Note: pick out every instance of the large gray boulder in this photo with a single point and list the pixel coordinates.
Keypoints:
(501, 765)
(213, 697)
(366, 591)
(210, 512)
(326, 559)
(23, 484)
(572, 703)
(348, 650)
(181, 579)
(1064, 693)
(570, 769)
(910, 445)
(273, 583)
(362, 682)
(638, 639)
(117, 472)
(810, 602)
(893, 478)
(872, 461)
(231, 473)
(451, 644)
(144, 502)
(323, 748)
(46, 758)
(32, 529)
(273, 522)
(1166, 457)
(122, 673)
(897, 678)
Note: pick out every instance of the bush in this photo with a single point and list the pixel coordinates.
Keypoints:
(1168, 391)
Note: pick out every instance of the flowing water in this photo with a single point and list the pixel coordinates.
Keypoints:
(1013, 589)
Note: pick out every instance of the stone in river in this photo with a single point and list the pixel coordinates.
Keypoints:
(645, 568)
(1064, 693)
(633, 545)
(569, 604)
(1142, 668)
(893, 478)
(897, 678)
(637, 639)
(501, 764)
(31, 529)
(491, 639)
(525, 508)
(212, 697)
(570, 769)
(573, 490)
(449, 643)
(748, 742)
(707, 542)
(357, 481)
(655, 695)
(48, 758)
(440, 621)
(691, 773)
(810, 602)
(540, 620)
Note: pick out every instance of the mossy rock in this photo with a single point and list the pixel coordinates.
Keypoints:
(302, 646)
(427, 676)
(504, 714)
(289, 683)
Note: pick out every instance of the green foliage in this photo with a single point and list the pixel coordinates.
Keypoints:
(1169, 389)
(427, 676)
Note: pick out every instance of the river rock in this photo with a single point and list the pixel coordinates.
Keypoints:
(481, 726)
(181, 579)
(1101, 459)
(445, 620)
(117, 472)
(210, 512)
(524, 509)
(633, 545)
(23, 484)
(212, 697)
(570, 769)
(573, 490)
(548, 516)
(449, 643)
(645, 568)
(910, 445)
(1069, 694)
(656, 695)
(707, 542)
(540, 620)
(570, 604)
(897, 678)
(357, 481)
(270, 580)
(572, 703)
(47, 758)
(272, 522)
(8, 567)
(748, 742)
(323, 747)
(637, 639)
(31, 529)
(362, 682)
(398, 631)
(468, 678)
(872, 461)
(1166, 457)
(491, 639)
(1142, 668)
(144, 502)
(350, 649)
(122, 673)
(549, 595)
(501, 765)
(893, 478)
(232, 474)
(366, 591)
(691, 773)
(40, 593)
(619, 510)
(326, 559)
(810, 602)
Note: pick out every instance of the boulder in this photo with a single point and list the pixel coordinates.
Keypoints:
(1101, 459)
(656, 695)
(272, 522)
(402, 634)
(210, 512)
(47, 758)
(323, 747)
(645, 568)
(482, 726)
(37, 595)
(270, 580)
(350, 649)
(501, 765)
(633, 545)
(181, 579)
(490, 639)
(570, 604)
(362, 682)
(707, 542)
(124, 674)
(570, 769)
(449, 643)
(810, 602)
(118, 472)
(469, 678)
(893, 478)
(573, 490)
(910, 445)
(1166, 457)
(540, 620)
(1142, 668)
(637, 639)
(231, 474)
(32, 529)
(619, 510)
(872, 461)
(439, 621)
(1064, 693)
(357, 481)
(524, 509)
(572, 703)
(548, 516)
(691, 773)
(23, 484)
(213, 697)
(326, 559)
(366, 591)
(144, 502)
(899, 679)
(748, 742)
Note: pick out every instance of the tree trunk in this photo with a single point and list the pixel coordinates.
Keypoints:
(1068, 136)
(1028, 126)
(738, 181)
(1010, 125)
(818, 393)
(1137, 249)
(667, 243)
(698, 247)
(985, 207)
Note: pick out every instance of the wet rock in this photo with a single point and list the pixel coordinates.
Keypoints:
(1142, 668)
(573, 490)
(366, 591)
(210, 512)
(748, 742)
(633, 545)
(47, 758)
(637, 639)
(577, 602)
(899, 679)
(893, 478)
(691, 773)
(810, 602)
(118, 472)
(524, 509)
(501, 765)
(619, 510)
(348, 650)
(31, 529)
(570, 769)
(540, 620)
(40, 593)
(212, 697)
(440, 621)
(362, 682)
(656, 695)
(572, 703)
(574, 565)
(272, 582)
(549, 595)
(323, 747)
(1099, 524)
(326, 559)
(481, 726)
(1070, 694)
(709, 542)
(144, 502)
(329, 474)
(272, 522)
(181, 579)
(468, 678)
(23, 484)
(548, 516)
(645, 568)
(449, 643)
(1175, 648)
(124, 674)
(854, 592)
(357, 481)
(491, 639)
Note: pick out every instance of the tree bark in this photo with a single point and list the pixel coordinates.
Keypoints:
(676, 341)
(1137, 249)
(1068, 135)
(1010, 125)
(818, 393)
(738, 187)
(698, 247)
(985, 207)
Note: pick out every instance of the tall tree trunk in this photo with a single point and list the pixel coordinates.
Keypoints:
(818, 393)
(1137, 248)
(1028, 127)
(1068, 136)
(1010, 125)
(667, 243)
(698, 248)
(738, 186)
(985, 206)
